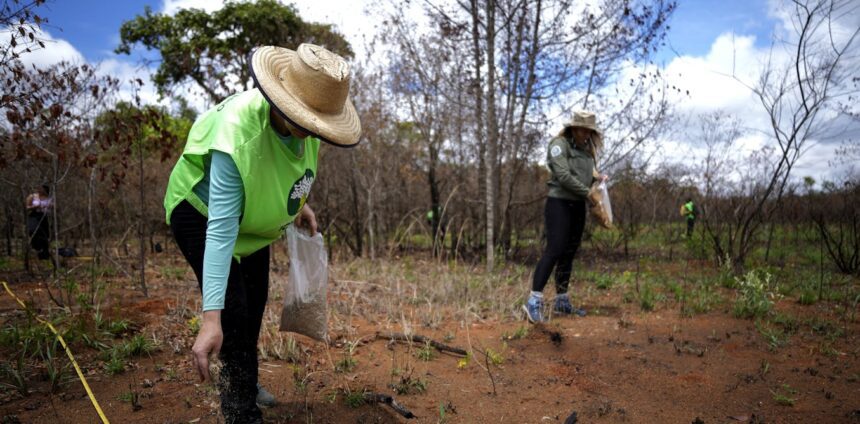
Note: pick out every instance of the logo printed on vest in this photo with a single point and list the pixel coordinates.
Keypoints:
(299, 192)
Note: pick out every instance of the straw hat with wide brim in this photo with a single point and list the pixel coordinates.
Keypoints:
(587, 120)
(309, 87)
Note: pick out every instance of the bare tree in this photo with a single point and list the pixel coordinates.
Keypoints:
(804, 76)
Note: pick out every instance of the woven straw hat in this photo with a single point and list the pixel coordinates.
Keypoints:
(309, 87)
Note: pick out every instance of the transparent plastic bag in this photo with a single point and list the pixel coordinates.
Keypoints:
(601, 208)
(305, 308)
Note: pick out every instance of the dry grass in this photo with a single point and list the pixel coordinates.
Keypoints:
(415, 292)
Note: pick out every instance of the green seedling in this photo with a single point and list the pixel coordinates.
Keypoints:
(345, 365)
(783, 396)
(138, 345)
(355, 399)
(408, 385)
(425, 353)
(495, 358)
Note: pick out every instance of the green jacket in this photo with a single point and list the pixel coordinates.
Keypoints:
(571, 169)
(690, 210)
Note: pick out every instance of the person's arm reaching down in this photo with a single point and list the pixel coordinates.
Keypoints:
(226, 196)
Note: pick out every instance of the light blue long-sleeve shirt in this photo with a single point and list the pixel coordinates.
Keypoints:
(224, 195)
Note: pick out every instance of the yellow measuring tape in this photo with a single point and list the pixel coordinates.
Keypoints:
(68, 352)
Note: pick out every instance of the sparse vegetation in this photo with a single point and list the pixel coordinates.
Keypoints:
(434, 224)
(755, 295)
(785, 395)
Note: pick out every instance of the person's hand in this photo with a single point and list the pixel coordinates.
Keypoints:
(307, 220)
(208, 342)
(604, 178)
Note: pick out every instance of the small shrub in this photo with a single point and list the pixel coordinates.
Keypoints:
(408, 385)
(55, 369)
(138, 345)
(808, 296)
(495, 358)
(828, 329)
(603, 281)
(701, 299)
(425, 353)
(521, 332)
(194, 325)
(774, 337)
(647, 297)
(115, 364)
(754, 295)
(628, 297)
(462, 363)
(789, 324)
(132, 397)
(354, 399)
(345, 365)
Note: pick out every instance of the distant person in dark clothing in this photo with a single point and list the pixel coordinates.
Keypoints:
(38, 228)
(688, 210)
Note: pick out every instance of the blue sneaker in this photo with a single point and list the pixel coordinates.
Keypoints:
(562, 306)
(264, 398)
(533, 309)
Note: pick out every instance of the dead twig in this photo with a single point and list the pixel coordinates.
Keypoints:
(487, 362)
(371, 397)
(416, 338)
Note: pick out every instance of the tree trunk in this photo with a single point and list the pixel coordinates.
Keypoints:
(91, 194)
(370, 236)
(357, 230)
(8, 231)
(433, 182)
(141, 234)
(478, 90)
(493, 133)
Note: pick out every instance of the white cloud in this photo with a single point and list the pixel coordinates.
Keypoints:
(127, 72)
(721, 79)
(55, 51)
(172, 6)
(347, 16)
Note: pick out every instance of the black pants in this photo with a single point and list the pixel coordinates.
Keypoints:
(247, 291)
(690, 224)
(565, 221)
(39, 231)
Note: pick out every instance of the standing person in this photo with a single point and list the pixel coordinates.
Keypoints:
(244, 175)
(571, 161)
(688, 210)
(38, 228)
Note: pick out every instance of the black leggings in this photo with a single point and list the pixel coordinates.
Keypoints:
(39, 231)
(565, 221)
(247, 291)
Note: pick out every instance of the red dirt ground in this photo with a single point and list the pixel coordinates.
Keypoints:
(616, 365)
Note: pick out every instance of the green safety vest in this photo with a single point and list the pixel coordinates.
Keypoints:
(690, 210)
(275, 180)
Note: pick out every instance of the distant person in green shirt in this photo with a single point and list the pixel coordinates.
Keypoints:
(244, 175)
(688, 210)
(570, 158)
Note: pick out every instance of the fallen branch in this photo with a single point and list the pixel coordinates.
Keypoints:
(416, 338)
(371, 397)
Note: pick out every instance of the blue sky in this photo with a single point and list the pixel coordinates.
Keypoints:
(708, 40)
(697, 23)
(92, 26)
